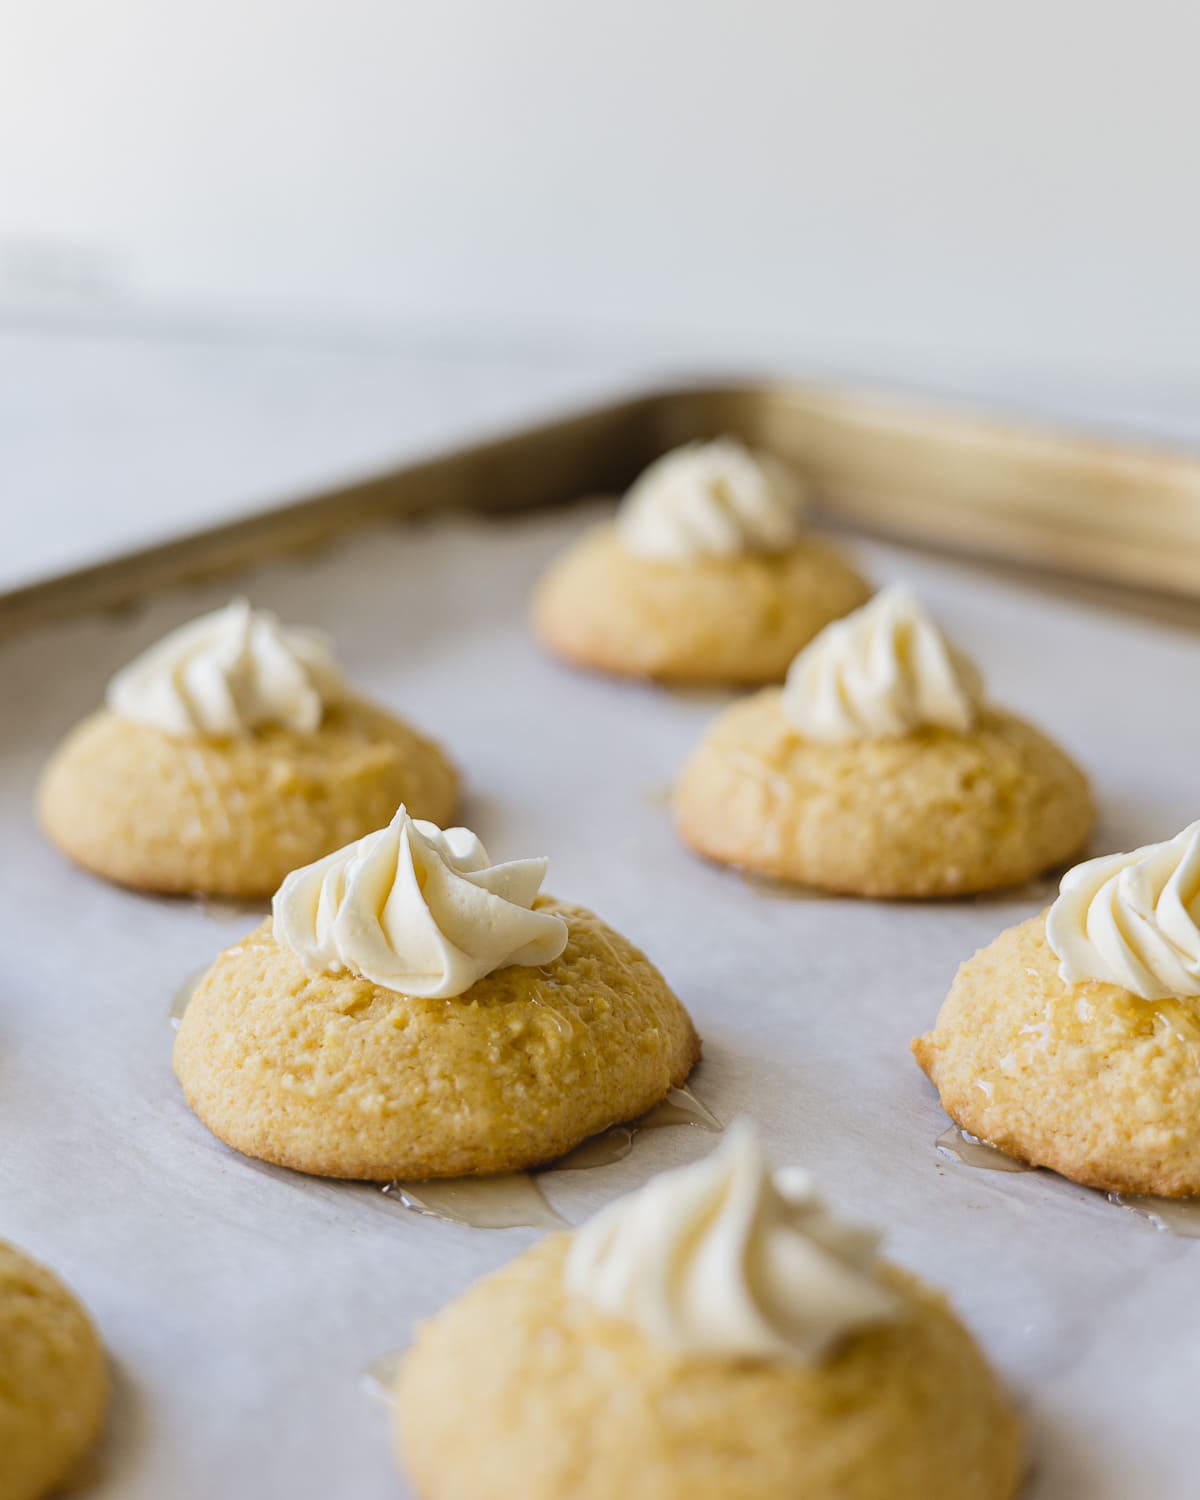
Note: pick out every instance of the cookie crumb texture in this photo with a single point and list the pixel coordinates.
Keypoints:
(232, 817)
(517, 1390)
(53, 1379)
(1086, 1079)
(339, 1077)
(937, 813)
(719, 620)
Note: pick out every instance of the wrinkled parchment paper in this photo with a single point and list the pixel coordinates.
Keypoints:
(241, 1305)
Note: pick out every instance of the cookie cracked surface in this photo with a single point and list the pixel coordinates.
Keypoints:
(334, 1075)
(232, 817)
(53, 1379)
(516, 1388)
(1086, 1079)
(934, 813)
(737, 619)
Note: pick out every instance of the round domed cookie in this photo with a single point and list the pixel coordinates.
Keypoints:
(414, 1011)
(229, 754)
(708, 575)
(53, 1379)
(876, 771)
(609, 1362)
(1072, 1041)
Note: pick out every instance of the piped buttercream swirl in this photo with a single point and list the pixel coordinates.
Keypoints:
(229, 673)
(880, 673)
(1133, 919)
(726, 1257)
(717, 499)
(418, 910)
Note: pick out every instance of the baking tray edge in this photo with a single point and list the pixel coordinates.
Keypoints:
(1070, 504)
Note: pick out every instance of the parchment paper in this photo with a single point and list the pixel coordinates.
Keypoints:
(240, 1305)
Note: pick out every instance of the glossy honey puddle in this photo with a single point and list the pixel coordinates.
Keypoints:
(508, 1200)
(973, 1152)
(233, 911)
(1043, 890)
(515, 1200)
(182, 997)
(705, 694)
(780, 890)
(379, 1377)
(1179, 1216)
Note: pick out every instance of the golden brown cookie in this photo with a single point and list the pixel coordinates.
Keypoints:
(231, 817)
(53, 1379)
(337, 1076)
(738, 619)
(567, 1405)
(934, 813)
(1086, 1079)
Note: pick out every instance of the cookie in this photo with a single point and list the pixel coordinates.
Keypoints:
(721, 619)
(53, 1379)
(230, 817)
(565, 1402)
(1086, 1078)
(335, 1075)
(937, 812)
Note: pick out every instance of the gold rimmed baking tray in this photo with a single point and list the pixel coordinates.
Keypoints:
(1072, 505)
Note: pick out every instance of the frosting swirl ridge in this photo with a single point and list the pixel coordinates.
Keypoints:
(1133, 919)
(717, 499)
(880, 673)
(417, 910)
(228, 673)
(725, 1257)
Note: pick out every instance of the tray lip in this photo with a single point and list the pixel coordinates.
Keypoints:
(173, 559)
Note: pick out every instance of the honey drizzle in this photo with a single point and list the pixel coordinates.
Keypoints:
(515, 1200)
(973, 1152)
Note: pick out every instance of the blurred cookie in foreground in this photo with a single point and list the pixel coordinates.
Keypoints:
(717, 1335)
(54, 1383)
(413, 1010)
(226, 755)
(709, 574)
(880, 770)
(1073, 1040)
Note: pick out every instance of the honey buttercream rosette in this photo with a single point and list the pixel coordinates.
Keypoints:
(229, 753)
(1072, 1041)
(717, 1334)
(708, 573)
(414, 1010)
(880, 769)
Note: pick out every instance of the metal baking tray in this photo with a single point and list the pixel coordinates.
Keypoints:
(1073, 505)
(240, 1305)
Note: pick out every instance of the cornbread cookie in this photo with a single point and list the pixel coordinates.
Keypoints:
(938, 812)
(53, 1380)
(337, 1076)
(232, 816)
(1087, 1079)
(721, 619)
(567, 1403)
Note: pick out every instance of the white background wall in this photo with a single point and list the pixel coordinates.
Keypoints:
(910, 181)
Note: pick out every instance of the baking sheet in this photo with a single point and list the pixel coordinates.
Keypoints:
(240, 1305)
